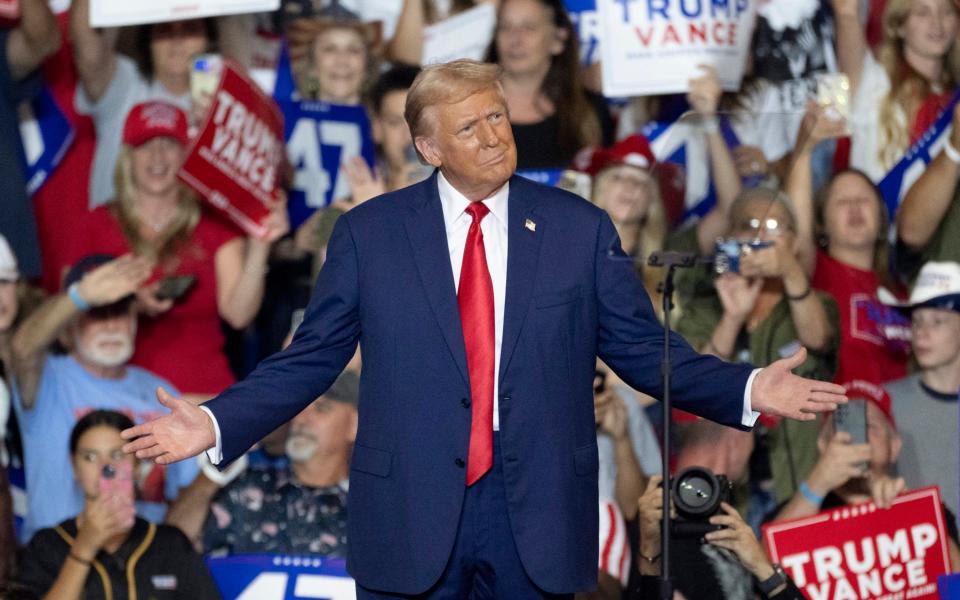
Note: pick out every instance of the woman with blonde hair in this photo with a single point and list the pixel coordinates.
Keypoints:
(897, 95)
(204, 271)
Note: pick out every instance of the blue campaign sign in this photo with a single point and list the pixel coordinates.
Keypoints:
(281, 577)
(583, 13)
(949, 586)
(320, 137)
(46, 134)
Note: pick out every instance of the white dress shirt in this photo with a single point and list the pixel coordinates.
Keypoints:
(494, 227)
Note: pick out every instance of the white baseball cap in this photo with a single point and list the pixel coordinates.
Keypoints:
(8, 262)
(937, 286)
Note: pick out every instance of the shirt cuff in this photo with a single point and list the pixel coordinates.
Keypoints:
(215, 454)
(747, 419)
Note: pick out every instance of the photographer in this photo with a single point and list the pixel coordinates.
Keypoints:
(730, 555)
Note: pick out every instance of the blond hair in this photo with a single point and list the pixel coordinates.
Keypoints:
(907, 87)
(125, 209)
(447, 83)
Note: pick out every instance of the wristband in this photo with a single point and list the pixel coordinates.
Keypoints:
(801, 296)
(952, 153)
(811, 496)
(73, 292)
(82, 561)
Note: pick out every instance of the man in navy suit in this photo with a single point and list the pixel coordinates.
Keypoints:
(480, 302)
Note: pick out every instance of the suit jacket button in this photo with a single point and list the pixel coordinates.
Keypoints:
(465, 402)
(459, 462)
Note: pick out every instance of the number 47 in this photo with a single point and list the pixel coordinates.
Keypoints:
(303, 149)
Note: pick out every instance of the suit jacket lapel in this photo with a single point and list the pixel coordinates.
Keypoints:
(524, 231)
(428, 240)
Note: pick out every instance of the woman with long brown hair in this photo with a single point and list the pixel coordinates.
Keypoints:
(552, 114)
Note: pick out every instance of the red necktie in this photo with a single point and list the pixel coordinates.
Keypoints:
(475, 297)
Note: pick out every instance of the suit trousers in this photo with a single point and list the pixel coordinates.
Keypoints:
(484, 564)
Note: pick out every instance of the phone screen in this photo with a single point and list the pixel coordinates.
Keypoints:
(852, 418)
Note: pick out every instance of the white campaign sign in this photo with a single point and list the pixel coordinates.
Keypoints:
(112, 13)
(654, 46)
(465, 35)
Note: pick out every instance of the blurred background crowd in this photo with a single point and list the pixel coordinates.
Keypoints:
(116, 278)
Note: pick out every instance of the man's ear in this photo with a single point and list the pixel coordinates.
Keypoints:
(428, 149)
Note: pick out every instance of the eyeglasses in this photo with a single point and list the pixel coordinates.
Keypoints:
(755, 226)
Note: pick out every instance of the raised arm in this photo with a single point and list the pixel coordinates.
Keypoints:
(815, 127)
(407, 43)
(93, 51)
(36, 37)
(851, 41)
(31, 342)
(704, 97)
(929, 198)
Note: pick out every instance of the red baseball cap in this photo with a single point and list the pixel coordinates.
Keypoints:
(871, 392)
(148, 120)
(633, 151)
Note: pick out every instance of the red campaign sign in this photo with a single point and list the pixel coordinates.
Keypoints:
(9, 10)
(860, 552)
(235, 161)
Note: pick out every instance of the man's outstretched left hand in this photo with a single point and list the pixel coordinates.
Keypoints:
(185, 432)
(777, 391)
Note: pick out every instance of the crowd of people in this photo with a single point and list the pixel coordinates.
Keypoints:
(116, 278)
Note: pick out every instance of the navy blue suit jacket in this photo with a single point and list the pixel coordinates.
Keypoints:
(388, 285)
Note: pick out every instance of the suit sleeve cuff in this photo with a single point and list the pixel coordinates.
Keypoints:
(747, 419)
(215, 454)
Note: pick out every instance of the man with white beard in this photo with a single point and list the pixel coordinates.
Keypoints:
(301, 509)
(95, 319)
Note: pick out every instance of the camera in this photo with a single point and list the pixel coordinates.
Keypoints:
(697, 494)
(729, 250)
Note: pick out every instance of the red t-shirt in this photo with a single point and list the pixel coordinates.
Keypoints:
(185, 344)
(874, 341)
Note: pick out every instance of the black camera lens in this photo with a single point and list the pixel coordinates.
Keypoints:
(697, 493)
(108, 471)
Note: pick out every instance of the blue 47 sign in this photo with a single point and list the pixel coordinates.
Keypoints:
(321, 137)
(276, 577)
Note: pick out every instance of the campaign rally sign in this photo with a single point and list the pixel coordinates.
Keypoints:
(654, 46)
(859, 552)
(908, 169)
(47, 134)
(583, 13)
(465, 35)
(277, 577)
(235, 161)
(113, 13)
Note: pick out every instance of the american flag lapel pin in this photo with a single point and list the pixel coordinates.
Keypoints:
(529, 224)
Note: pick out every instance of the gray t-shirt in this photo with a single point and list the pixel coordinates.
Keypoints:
(126, 89)
(927, 422)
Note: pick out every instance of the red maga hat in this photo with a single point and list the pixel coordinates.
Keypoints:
(871, 392)
(634, 151)
(148, 120)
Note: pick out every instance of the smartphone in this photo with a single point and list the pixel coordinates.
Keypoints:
(205, 73)
(117, 480)
(852, 418)
(833, 93)
(728, 252)
(174, 287)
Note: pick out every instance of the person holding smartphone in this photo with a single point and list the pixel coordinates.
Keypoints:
(106, 547)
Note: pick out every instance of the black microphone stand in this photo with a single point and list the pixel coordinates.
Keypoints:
(670, 261)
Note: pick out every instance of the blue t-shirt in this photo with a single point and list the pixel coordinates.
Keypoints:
(67, 391)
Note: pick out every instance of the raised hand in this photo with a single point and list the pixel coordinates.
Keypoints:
(185, 432)
(737, 537)
(114, 280)
(364, 182)
(777, 391)
(102, 519)
(610, 413)
(840, 461)
(819, 124)
(750, 161)
(884, 489)
(738, 294)
(704, 94)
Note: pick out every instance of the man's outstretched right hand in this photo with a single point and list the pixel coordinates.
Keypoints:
(185, 432)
